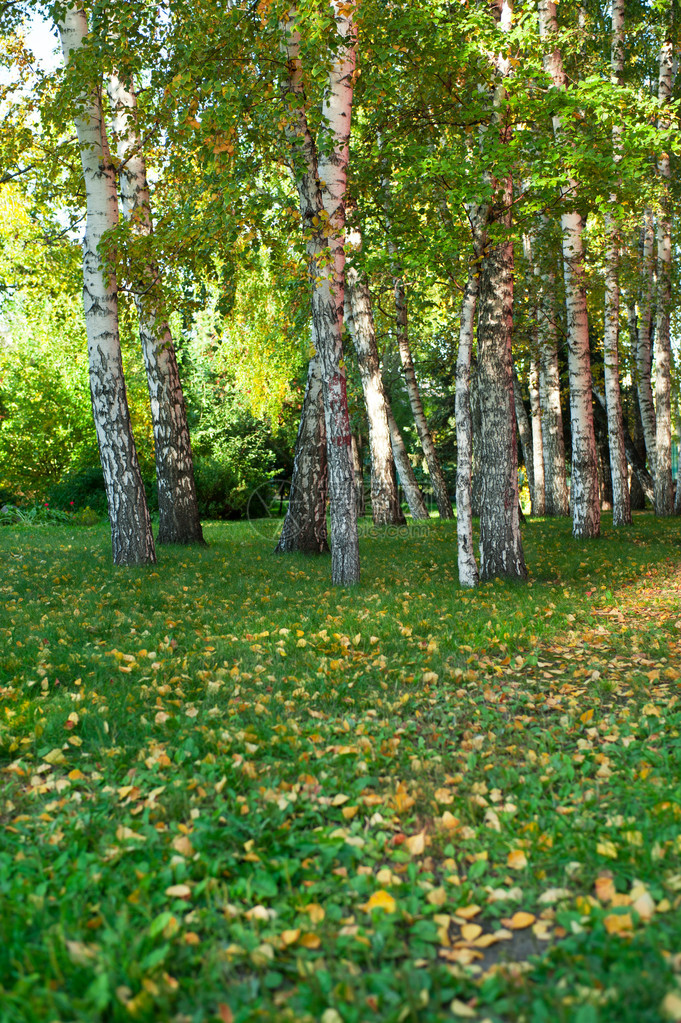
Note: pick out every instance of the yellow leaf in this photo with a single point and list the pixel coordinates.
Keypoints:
(462, 1010)
(618, 923)
(437, 897)
(520, 920)
(444, 796)
(416, 844)
(671, 1006)
(516, 859)
(123, 833)
(607, 848)
(586, 716)
(449, 821)
(54, 757)
(182, 845)
(468, 912)
(349, 812)
(644, 906)
(380, 900)
(605, 888)
(191, 938)
(289, 937)
(76, 775)
(339, 799)
(315, 912)
(310, 940)
(469, 932)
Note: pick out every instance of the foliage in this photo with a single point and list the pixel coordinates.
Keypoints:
(243, 796)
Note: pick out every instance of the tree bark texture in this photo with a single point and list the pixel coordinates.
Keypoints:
(664, 493)
(501, 552)
(539, 505)
(131, 534)
(621, 509)
(385, 504)
(468, 569)
(553, 436)
(644, 346)
(177, 502)
(635, 461)
(321, 183)
(584, 496)
(437, 480)
(304, 527)
(525, 434)
(359, 474)
(412, 492)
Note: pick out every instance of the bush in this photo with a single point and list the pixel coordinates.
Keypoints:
(224, 488)
(33, 515)
(84, 489)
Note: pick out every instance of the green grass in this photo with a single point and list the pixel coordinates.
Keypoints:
(213, 770)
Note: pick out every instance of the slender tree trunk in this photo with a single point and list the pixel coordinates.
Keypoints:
(539, 507)
(553, 436)
(131, 535)
(412, 491)
(636, 494)
(476, 423)
(177, 502)
(321, 186)
(304, 527)
(468, 569)
(385, 504)
(359, 475)
(526, 439)
(664, 493)
(644, 347)
(621, 510)
(437, 480)
(584, 491)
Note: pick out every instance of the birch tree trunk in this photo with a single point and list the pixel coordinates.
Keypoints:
(131, 535)
(584, 492)
(412, 491)
(539, 506)
(501, 549)
(664, 493)
(468, 569)
(644, 346)
(177, 502)
(359, 474)
(304, 527)
(525, 434)
(321, 183)
(621, 508)
(553, 436)
(385, 503)
(444, 504)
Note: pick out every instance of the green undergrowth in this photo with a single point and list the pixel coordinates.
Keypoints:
(233, 793)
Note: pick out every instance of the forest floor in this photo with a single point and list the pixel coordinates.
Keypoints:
(232, 793)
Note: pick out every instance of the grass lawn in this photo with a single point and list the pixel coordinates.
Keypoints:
(231, 793)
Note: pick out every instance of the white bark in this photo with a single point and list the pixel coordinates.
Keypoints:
(584, 494)
(525, 433)
(131, 535)
(412, 491)
(539, 504)
(644, 348)
(664, 494)
(621, 508)
(385, 503)
(321, 183)
(501, 549)
(177, 502)
(553, 440)
(468, 569)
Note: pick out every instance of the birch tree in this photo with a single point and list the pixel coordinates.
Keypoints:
(131, 534)
(321, 176)
(621, 509)
(584, 495)
(501, 551)
(177, 503)
(644, 346)
(664, 493)
(385, 504)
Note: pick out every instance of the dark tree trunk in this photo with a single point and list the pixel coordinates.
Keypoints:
(304, 527)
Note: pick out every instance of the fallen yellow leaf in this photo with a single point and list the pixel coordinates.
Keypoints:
(516, 859)
(416, 844)
(469, 932)
(179, 891)
(618, 923)
(380, 900)
(520, 920)
(468, 912)
(607, 848)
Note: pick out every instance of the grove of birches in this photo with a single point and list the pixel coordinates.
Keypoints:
(270, 247)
